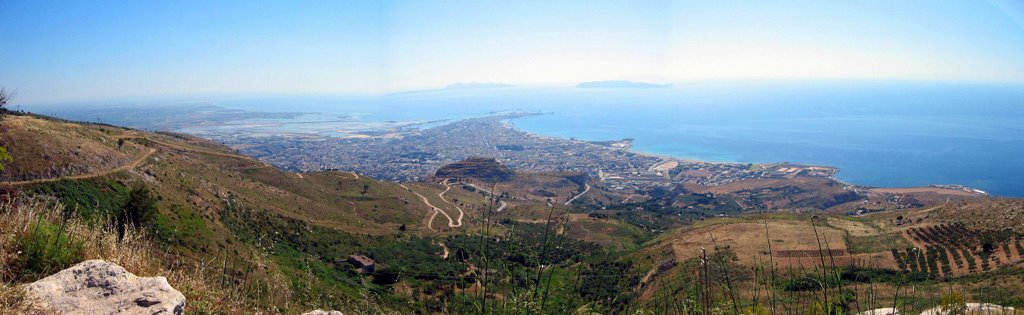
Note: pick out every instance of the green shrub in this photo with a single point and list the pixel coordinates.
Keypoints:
(4, 158)
(47, 248)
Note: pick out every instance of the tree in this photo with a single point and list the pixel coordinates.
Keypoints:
(5, 96)
(5, 157)
(137, 211)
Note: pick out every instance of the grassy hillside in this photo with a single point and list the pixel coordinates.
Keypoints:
(226, 227)
(45, 148)
(260, 224)
(806, 262)
(280, 240)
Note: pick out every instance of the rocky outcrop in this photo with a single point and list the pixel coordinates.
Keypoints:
(100, 287)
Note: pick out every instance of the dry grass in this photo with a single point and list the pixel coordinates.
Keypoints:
(44, 148)
(135, 252)
(985, 214)
(853, 227)
(793, 240)
(747, 240)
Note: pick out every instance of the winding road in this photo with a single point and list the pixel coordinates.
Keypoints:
(585, 190)
(134, 163)
(125, 167)
(430, 223)
(501, 203)
(449, 187)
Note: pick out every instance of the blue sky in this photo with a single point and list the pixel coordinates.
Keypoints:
(56, 51)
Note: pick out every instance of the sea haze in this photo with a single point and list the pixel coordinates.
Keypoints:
(889, 134)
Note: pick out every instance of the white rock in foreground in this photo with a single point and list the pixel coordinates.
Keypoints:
(881, 311)
(974, 308)
(100, 287)
(322, 312)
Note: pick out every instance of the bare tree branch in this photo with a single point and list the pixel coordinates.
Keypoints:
(5, 96)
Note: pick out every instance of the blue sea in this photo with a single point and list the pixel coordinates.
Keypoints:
(879, 133)
(885, 136)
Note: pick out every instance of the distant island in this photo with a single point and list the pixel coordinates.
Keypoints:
(620, 84)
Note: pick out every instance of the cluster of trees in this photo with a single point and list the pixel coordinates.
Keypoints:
(961, 242)
(417, 258)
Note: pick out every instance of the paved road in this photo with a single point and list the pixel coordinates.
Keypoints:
(501, 204)
(585, 190)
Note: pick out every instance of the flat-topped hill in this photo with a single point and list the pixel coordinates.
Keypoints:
(479, 168)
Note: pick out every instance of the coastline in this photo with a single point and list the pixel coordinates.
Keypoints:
(954, 189)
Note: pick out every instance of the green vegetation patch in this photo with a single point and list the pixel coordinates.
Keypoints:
(875, 243)
(181, 226)
(612, 233)
(90, 199)
(998, 295)
(417, 258)
(264, 227)
(313, 257)
(315, 282)
(46, 248)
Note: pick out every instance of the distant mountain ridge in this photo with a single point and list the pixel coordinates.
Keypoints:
(476, 85)
(620, 84)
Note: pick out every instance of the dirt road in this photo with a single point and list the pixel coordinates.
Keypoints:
(125, 167)
(430, 223)
(134, 163)
(461, 213)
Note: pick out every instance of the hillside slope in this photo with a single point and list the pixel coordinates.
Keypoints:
(214, 205)
(44, 148)
(280, 242)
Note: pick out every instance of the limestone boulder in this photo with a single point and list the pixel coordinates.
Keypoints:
(100, 287)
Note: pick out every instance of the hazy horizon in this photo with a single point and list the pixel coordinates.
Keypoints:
(168, 99)
(82, 51)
